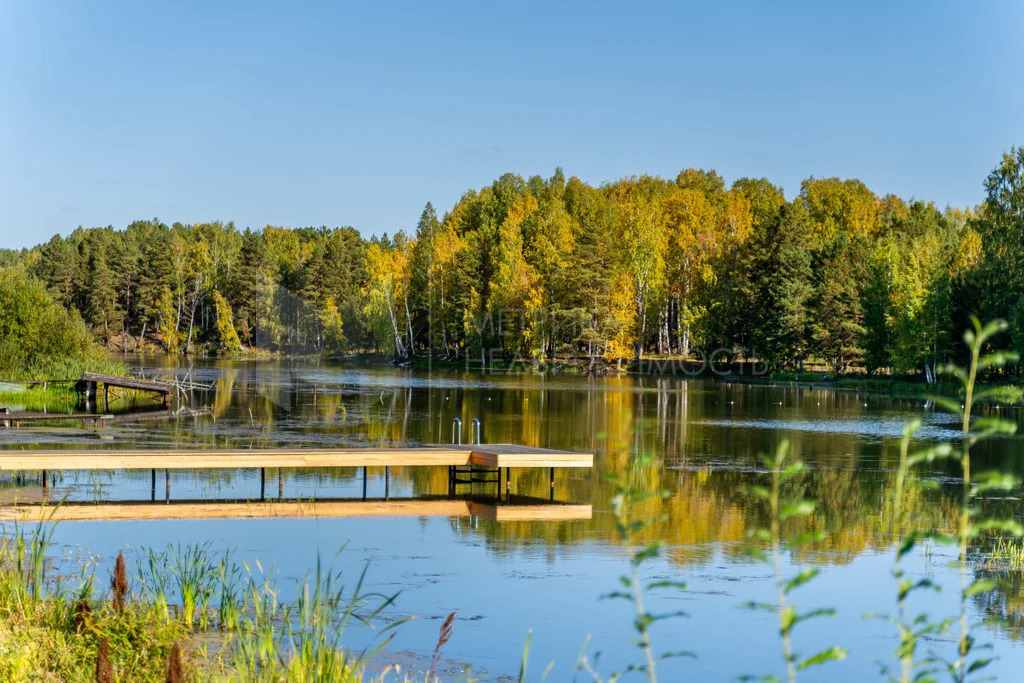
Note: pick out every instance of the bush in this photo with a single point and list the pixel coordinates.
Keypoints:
(39, 339)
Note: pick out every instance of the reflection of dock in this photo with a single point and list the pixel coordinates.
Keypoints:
(528, 510)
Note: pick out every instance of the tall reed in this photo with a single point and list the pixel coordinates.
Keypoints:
(781, 508)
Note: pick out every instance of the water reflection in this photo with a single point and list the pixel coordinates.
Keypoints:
(706, 439)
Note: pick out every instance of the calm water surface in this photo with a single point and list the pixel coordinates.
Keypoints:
(508, 579)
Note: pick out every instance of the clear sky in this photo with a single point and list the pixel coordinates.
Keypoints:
(357, 114)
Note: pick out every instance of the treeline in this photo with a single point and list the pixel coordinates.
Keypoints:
(555, 267)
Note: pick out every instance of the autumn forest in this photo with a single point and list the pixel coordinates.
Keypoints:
(533, 269)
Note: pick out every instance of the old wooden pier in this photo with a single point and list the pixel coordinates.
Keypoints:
(91, 380)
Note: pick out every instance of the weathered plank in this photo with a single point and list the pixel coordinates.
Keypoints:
(514, 455)
(129, 382)
(495, 455)
(229, 459)
(51, 417)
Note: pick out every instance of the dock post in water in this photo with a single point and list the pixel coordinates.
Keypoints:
(167, 481)
(263, 483)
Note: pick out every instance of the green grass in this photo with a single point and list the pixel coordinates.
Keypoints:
(218, 620)
(1006, 555)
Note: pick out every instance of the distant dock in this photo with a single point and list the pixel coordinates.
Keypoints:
(91, 380)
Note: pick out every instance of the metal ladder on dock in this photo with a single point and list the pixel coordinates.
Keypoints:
(471, 474)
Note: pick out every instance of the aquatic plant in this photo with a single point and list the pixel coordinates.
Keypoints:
(911, 631)
(974, 430)
(632, 588)
(443, 637)
(781, 508)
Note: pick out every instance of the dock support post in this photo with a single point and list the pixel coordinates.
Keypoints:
(46, 482)
(280, 483)
(364, 483)
(167, 483)
(552, 476)
(387, 482)
(106, 397)
(153, 484)
(263, 483)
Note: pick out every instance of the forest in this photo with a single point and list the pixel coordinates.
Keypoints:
(535, 269)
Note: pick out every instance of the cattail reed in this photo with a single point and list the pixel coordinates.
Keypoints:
(104, 667)
(119, 583)
(175, 671)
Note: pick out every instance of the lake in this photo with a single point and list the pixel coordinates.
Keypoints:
(513, 578)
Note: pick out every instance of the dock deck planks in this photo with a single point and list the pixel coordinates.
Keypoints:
(136, 383)
(51, 417)
(493, 455)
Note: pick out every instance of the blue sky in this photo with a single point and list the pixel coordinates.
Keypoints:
(338, 114)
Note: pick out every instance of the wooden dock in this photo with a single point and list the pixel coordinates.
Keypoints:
(91, 380)
(15, 419)
(123, 511)
(505, 456)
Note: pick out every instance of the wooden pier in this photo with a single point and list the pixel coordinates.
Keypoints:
(15, 419)
(91, 380)
(503, 458)
(490, 455)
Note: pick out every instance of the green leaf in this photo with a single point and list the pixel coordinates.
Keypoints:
(992, 328)
(947, 403)
(979, 586)
(1007, 526)
(910, 429)
(988, 481)
(800, 508)
(807, 537)
(993, 425)
(759, 491)
(979, 664)
(938, 452)
(800, 579)
(666, 584)
(833, 654)
(997, 359)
